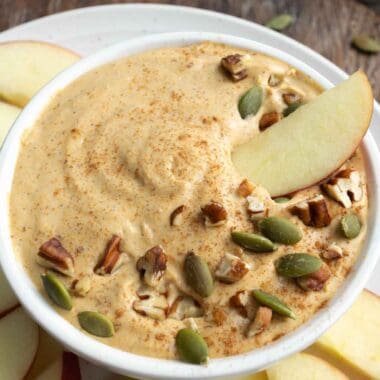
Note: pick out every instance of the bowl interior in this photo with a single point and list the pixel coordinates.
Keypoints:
(139, 366)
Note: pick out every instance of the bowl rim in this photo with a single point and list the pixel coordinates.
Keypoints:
(148, 367)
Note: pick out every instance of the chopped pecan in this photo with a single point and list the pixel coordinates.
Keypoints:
(152, 265)
(313, 212)
(315, 281)
(82, 286)
(215, 214)
(240, 302)
(261, 321)
(231, 269)
(53, 255)
(255, 205)
(291, 98)
(236, 65)
(185, 307)
(345, 187)
(268, 119)
(176, 217)
(112, 258)
(150, 304)
(245, 188)
(332, 252)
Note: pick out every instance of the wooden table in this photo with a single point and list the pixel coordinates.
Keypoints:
(324, 25)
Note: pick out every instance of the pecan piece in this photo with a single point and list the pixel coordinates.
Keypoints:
(345, 187)
(315, 281)
(313, 212)
(176, 217)
(185, 307)
(82, 286)
(231, 269)
(150, 304)
(255, 205)
(268, 119)
(240, 301)
(152, 265)
(112, 258)
(215, 214)
(53, 255)
(332, 252)
(261, 321)
(291, 98)
(236, 65)
(245, 188)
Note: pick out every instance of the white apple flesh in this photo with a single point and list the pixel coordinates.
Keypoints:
(311, 143)
(8, 300)
(8, 114)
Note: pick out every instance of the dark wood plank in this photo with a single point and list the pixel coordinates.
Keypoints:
(325, 25)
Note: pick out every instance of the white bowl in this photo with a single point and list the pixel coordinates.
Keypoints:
(146, 367)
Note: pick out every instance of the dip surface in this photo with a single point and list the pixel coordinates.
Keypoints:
(119, 149)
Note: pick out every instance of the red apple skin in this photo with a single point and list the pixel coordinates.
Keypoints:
(70, 367)
(9, 310)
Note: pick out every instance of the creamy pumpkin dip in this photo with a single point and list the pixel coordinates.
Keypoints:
(125, 193)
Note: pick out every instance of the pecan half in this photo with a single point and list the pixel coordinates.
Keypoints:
(291, 98)
(215, 214)
(261, 321)
(268, 119)
(152, 265)
(53, 255)
(176, 217)
(150, 304)
(345, 187)
(231, 269)
(313, 212)
(245, 188)
(112, 258)
(236, 65)
(332, 252)
(315, 281)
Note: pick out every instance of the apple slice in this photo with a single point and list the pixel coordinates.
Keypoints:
(26, 66)
(66, 367)
(355, 338)
(255, 376)
(304, 366)
(18, 344)
(8, 300)
(312, 142)
(8, 115)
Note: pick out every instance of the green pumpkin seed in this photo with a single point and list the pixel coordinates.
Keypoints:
(57, 291)
(273, 303)
(291, 108)
(280, 22)
(253, 242)
(191, 347)
(366, 43)
(297, 264)
(280, 230)
(250, 102)
(96, 324)
(351, 226)
(282, 200)
(198, 275)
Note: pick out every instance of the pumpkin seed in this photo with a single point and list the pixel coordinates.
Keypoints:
(96, 324)
(57, 291)
(297, 264)
(250, 102)
(280, 230)
(282, 200)
(280, 22)
(191, 346)
(366, 44)
(252, 242)
(273, 303)
(351, 226)
(198, 275)
(291, 108)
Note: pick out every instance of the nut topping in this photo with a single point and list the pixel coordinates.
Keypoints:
(261, 322)
(240, 302)
(82, 286)
(315, 281)
(274, 80)
(313, 212)
(245, 188)
(333, 252)
(53, 255)
(268, 119)
(255, 205)
(176, 217)
(291, 98)
(152, 265)
(150, 304)
(345, 187)
(231, 269)
(215, 214)
(236, 65)
(185, 307)
(112, 259)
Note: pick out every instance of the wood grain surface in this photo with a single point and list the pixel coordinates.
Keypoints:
(324, 25)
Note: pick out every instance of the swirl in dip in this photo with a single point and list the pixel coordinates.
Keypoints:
(123, 161)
